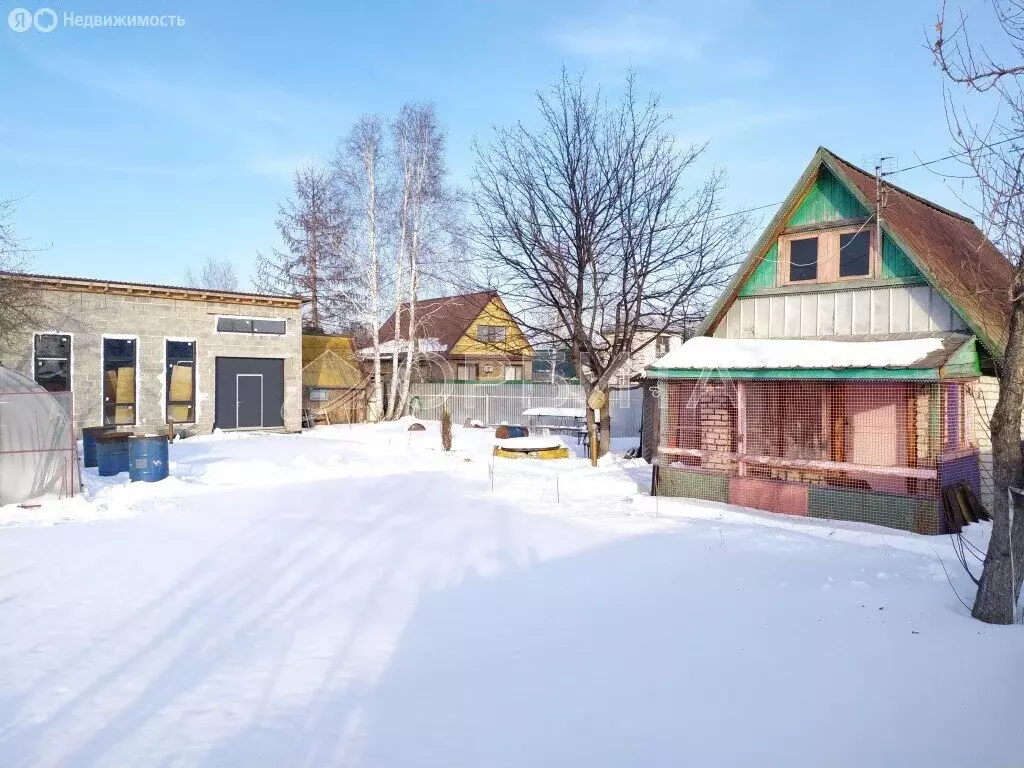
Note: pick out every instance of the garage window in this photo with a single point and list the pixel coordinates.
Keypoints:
(251, 325)
(53, 361)
(181, 382)
(119, 360)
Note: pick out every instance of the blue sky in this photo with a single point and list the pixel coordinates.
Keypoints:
(140, 152)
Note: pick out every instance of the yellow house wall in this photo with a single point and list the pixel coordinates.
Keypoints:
(494, 313)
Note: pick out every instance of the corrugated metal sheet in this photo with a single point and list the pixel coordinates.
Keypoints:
(892, 309)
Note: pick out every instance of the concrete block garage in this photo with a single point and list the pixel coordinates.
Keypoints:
(144, 356)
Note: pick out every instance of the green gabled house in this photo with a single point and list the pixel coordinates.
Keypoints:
(848, 371)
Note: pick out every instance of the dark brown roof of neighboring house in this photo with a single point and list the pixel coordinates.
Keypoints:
(65, 283)
(446, 318)
(962, 261)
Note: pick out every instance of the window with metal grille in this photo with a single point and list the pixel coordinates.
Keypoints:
(119, 368)
(53, 361)
(181, 382)
(661, 346)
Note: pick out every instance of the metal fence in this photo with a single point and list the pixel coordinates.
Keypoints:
(504, 402)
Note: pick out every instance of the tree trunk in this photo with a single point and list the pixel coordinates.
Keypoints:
(1004, 562)
(605, 434)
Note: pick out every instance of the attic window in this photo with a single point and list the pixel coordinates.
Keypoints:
(489, 334)
(828, 256)
(803, 259)
(855, 254)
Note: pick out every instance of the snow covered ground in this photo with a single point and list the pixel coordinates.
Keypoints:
(355, 596)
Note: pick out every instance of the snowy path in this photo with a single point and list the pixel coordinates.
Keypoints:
(338, 600)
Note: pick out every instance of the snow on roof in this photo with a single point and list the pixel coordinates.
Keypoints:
(706, 352)
(401, 345)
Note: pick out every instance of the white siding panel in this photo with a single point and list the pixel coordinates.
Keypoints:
(733, 321)
(844, 314)
(899, 310)
(761, 317)
(880, 310)
(792, 316)
(920, 305)
(809, 314)
(941, 313)
(746, 320)
(826, 314)
(861, 311)
(777, 321)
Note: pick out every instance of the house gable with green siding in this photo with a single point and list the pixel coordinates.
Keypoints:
(844, 360)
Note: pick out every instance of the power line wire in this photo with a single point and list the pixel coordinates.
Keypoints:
(947, 157)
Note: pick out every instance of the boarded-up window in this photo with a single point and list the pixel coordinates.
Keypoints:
(119, 359)
(181, 382)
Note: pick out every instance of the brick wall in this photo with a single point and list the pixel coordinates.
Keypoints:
(88, 316)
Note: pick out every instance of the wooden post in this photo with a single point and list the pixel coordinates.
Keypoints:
(741, 425)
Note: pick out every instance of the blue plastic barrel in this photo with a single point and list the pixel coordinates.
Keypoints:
(89, 435)
(148, 458)
(112, 453)
(518, 431)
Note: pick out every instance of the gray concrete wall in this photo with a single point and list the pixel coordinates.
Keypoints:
(88, 316)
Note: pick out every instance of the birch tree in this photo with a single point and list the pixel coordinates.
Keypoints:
(419, 153)
(357, 166)
(591, 220)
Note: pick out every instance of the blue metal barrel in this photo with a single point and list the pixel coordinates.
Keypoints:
(112, 453)
(89, 435)
(148, 458)
(517, 430)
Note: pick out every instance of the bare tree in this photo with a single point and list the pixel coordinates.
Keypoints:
(216, 275)
(357, 166)
(400, 203)
(590, 227)
(313, 264)
(19, 305)
(419, 153)
(992, 148)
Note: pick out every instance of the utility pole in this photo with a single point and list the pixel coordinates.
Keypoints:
(879, 200)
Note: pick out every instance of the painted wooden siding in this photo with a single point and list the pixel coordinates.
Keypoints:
(827, 200)
(493, 314)
(765, 274)
(895, 263)
(894, 309)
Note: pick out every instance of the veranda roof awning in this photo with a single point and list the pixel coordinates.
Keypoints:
(931, 357)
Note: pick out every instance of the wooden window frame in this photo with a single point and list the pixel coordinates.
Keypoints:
(828, 255)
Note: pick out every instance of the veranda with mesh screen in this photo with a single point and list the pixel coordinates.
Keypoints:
(870, 451)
